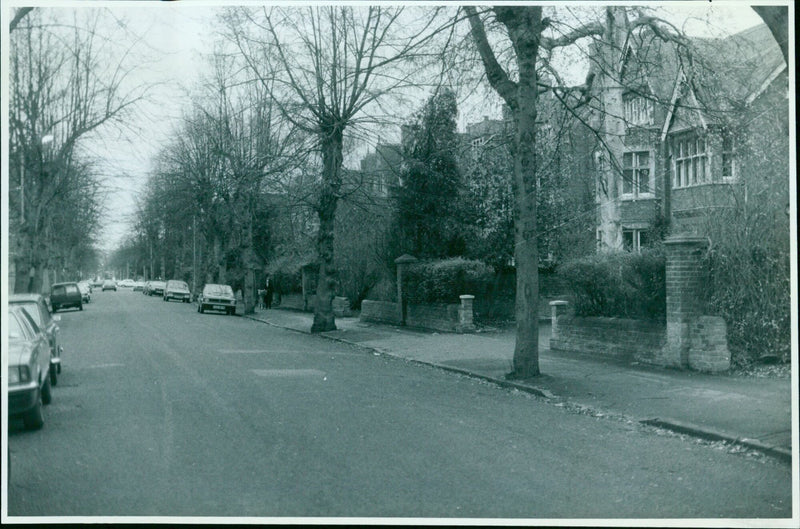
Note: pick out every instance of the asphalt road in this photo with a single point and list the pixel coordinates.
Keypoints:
(162, 411)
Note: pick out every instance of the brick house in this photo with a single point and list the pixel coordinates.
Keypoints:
(688, 133)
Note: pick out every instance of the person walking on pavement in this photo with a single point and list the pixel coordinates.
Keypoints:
(268, 290)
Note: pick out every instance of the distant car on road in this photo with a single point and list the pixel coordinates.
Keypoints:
(65, 295)
(217, 297)
(179, 290)
(28, 368)
(109, 284)
(36, 306)
(138, 286)
(96, 282)
(86, 291)
(126, 283)
(156, 288)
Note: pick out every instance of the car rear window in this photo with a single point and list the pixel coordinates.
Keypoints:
(59, 291)
(14, 329)
(71, 289)
(33, 310)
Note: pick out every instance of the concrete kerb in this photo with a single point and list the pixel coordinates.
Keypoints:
(666, 424)
(714, 435)
(500, 382)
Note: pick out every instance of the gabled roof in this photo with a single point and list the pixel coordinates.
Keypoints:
(734, 69)
(719, 76)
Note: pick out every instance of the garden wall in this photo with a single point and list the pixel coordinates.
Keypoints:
(622, 339)
(439, 317)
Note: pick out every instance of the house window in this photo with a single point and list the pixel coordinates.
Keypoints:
(727, 157)
(638, 110)
(636, 174)
(634, 240)
(690, 161)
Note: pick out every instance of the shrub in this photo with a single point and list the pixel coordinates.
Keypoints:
(443, 281)
(621, 284)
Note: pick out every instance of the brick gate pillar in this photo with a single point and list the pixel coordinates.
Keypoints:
(685, 277)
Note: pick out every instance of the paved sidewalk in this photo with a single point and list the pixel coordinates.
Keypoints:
(754, 412)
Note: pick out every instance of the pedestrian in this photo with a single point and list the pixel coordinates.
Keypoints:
(268, 290)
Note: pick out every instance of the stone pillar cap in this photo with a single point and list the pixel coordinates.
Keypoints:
(558, 302)
(466, 296)
(406, 258)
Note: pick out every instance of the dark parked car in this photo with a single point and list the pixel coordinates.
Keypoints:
(65, 295)
(217, 297)
(177, 290)
(109, 284)
(36, 307)
(28, 368)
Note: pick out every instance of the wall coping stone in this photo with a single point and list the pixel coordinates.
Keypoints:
(685, 238)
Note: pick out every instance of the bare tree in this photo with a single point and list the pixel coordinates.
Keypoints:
(326, 67)
(66, 83)
(533, 38)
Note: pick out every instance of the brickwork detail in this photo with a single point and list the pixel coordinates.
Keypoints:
(622, 339)
(438, 317)
(708, 348)
(379, 312)
(689, 339)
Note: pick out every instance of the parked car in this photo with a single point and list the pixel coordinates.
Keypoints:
(179, 290)
(28, 368)
(126, 283)
(86, 291)
(96, 282)
(217, 297)
(65, 295)
(146, 289)
(109, 284)
(36, 306)
(138, 286)
(156, 288)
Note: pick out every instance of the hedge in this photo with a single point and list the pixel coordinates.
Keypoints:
(444, 280)
(619, 284)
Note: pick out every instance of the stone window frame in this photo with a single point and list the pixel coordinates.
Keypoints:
(636, 238)
(690, 160)
(639, 109)
(632, 173)
(728, 157)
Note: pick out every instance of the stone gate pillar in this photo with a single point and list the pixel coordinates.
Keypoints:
(685, 276)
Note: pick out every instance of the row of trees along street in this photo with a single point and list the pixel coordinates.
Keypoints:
(69, 79)
(254, 173)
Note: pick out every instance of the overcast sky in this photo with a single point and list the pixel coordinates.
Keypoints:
(178, 34)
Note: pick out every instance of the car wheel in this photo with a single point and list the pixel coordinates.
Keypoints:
(53, 375)
(47, 394)
(34, 418)
(58, 368)
(80, 307)
(202, 309)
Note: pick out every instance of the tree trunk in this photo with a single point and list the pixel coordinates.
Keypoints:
(525, 38)
(332, 142)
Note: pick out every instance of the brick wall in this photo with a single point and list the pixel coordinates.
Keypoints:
(617, 338)
(436, 317)
(440, 317)
(292, 301)
(379, 312)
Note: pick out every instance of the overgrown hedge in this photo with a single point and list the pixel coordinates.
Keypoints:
(443, 281)
(621, 284)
